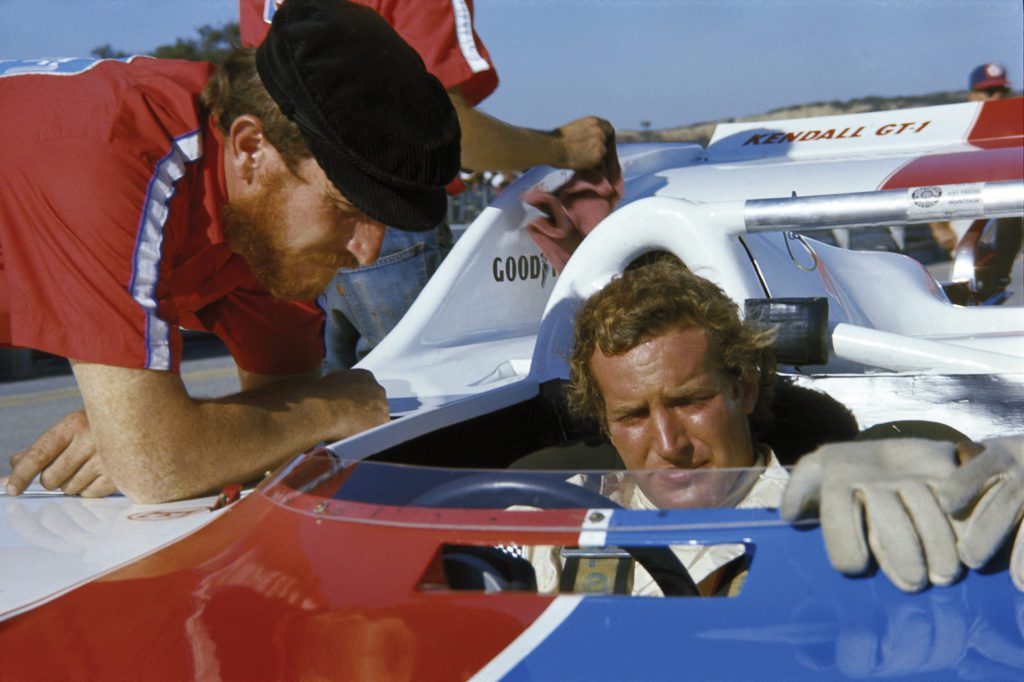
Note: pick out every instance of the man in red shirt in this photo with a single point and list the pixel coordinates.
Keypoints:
(363, 304)
(146, 195)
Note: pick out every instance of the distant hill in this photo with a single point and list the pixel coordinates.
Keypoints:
(701, 132)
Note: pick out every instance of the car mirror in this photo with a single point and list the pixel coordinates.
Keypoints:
(801, 326)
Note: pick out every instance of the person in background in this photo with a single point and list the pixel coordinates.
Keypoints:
(144, 195)
(985, 83)
(988, 82)
(363, 304)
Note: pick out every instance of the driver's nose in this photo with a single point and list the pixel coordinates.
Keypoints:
(669, 440)
(366, 240)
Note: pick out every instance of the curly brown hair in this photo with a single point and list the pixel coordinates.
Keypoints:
(646, 301)
(235, 89)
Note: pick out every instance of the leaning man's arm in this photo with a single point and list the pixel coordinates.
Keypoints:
(158, 444)
(250, 381)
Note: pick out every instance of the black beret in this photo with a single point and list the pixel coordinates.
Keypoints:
(381, 127)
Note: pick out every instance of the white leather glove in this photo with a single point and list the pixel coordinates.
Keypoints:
(886, 487)
(985, 497)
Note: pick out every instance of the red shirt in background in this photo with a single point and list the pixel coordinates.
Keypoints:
(441, 31)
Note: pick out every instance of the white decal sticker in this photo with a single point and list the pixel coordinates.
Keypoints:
(947, 202)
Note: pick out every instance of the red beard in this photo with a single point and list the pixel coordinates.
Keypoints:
(252, 225)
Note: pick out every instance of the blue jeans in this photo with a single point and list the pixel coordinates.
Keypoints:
(361, 305)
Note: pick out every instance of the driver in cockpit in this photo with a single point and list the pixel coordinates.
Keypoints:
(676, 381)
(673, 377)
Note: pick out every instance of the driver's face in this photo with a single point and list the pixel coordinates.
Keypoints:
(670, 407)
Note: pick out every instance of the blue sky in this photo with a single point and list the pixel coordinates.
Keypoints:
(671, 62)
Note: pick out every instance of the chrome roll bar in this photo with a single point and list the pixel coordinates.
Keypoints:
(886, 207)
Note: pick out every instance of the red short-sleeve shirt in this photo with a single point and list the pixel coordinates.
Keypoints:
(441, 31)
(110, 234)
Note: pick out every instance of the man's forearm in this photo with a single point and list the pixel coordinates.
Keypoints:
(491, 144)
(159, 444)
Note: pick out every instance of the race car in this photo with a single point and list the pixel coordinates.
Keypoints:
(401, 553)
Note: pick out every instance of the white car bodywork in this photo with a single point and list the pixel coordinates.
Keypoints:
(727, 213)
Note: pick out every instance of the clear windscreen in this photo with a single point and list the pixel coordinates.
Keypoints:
(380, 492)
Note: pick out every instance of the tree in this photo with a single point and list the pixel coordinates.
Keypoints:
(108, 52)
(213, 45)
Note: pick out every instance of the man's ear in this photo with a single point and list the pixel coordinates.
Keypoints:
(246, 147)
(749, 391)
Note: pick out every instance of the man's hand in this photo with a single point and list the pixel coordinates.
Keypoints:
(362, 405)
(985, 497)
(353, 399)
(65, 458)
(585, 142)
(944, 236)
(885, 487)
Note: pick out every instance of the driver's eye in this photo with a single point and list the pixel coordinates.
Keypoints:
(693, 400)
(629, 417)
